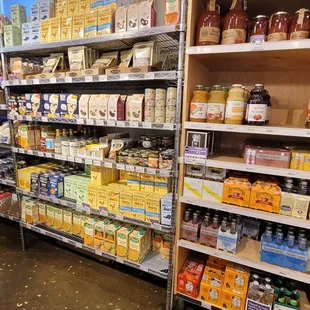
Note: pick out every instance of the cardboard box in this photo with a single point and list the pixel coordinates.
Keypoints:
(34, 104)
(68, 221)
(83, 106)
(123, 240)
(66, 28)
(166, 209)
(89, 233)
(84, 6)
(212, 191)
(139, 245)
(147, 14)
(91, 22)
(73, 7)
(18, 15)
(133, 17)
(101, 106)
(31, 211)
(110, 236)
(12, 35)
(105, 21)
(125, 203)
(192, 187)
(55, 30)
(50, 216)
(45, 31)
(116, 107)
(121, 18)
(115, 71)
(51, 105)
(78, 26)
(35, 32)
(26, 33)
(35, 13)
(59, 219)
(90, 72)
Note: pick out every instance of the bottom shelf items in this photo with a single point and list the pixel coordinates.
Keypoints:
(153, 263)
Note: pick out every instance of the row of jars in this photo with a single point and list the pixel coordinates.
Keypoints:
(235, 106)
(280, 26)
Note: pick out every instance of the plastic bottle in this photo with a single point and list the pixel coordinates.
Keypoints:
(235, 105)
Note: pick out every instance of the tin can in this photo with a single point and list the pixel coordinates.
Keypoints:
(171, 97)
(149, 97)
(160, 97)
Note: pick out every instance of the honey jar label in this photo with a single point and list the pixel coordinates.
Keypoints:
(232, 36)
(209, 34)
(216, 111)
(301, 16)
(278, 36)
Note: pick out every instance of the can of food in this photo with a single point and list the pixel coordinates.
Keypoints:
(170, 119)
(160, 119)
(160, 97)
(149, 97)
(171, 97)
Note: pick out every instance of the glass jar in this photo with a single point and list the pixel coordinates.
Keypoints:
(235, 24)
(235, 105)
(166, 159)
(167, 142)
(44, 132)
(122, 157)
(144, 159)
(50, 140)
(300, 26)
(133, 159)
(216, 105)
(279, 26)
(198, 105)
(147, 143)
(209, 26)
(257, 107)
(258, 28)
(153, 159)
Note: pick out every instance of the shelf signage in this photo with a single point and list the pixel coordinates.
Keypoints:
(195, 155)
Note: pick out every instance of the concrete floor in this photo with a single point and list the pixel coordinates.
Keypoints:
(47, 276)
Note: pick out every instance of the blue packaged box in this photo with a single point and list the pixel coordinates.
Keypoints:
(296, 259)
(51, 106)
(34, 104)
(272, 253)
(56, 185)
(69, 105)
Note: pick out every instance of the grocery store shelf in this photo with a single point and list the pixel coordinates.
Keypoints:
(7, 182)
(197, 302)
(262, 130)
(257, 214)
(95, 122)
(164, 35)
(10, 217)
(158, 75)
(153, 263)
(259, 56)
(5, 146)
(248, 255)
(84, 208)
(95, 162)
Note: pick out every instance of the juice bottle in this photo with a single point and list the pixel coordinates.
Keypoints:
(198, 107)
(216, 105)
(235, 106)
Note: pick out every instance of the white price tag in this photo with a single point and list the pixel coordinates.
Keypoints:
(98, 252)
(156, 226)
(134, 124)
(88, 78)
(108, 164)
(165, 173)
(120, 260)
(205, 305)
(53, 80)
(140, 169)
(28, 118)
(169, 126)
(120, 124)
(111, 123)
(22, 151)
(78, 160)
(149, 75)
(99, 122)
(144, 268)
(70, 158)
(48, 155)
(119, 217)
(36, 81)
(16, 82)
(80, 121)
(124, 77)
(68, 79)
(23, 82)
(97, 163)
(104, 213)
(102, 78)
(14, 149)
(44, 119)
(88, 161)
(30, 152)
(258, 45)
(90, 122)
(60, 157)
(150, 171)
(130, 168)
(120, 166)
(78, 245)
(147, 125)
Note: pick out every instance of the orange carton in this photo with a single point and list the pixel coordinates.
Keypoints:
(31, 211)
(237, 191)
(42, 212)
(50, 216)
(266, 197)
(99, 233)
(232, 301)
(189, 278)
(216, 262)
(123, 240)
(110, 236)
(236, 279)
(68, 223)
(77, 224)
(89, 233)
(210, 294)
(59, 219)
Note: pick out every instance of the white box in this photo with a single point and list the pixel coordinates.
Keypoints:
(121, 18)
(26, 33)
(212, 191)
(35, 32)
(192, 187)
(102, 107)
(133, 17)
(166, 209)
(35, 13)
(147, 14)
(47, 9)
(83, 106)
(93, 106)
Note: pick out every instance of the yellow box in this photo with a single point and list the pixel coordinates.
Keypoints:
(113, 201)
(162, 185)
(147, 182)
(153, 206)
(42, 212)
(27, 137)
(91, 20)
(50, 216)
(306, 166)
(210, 294)
(123, 175)
(133, 180)
(102, 197)
(125, 203)
(59, 219)
(66, 28)
(110, 237)
(78, 26)
(101, 175)
(232, 301)
(138, 245)
(73, 7)
(68, 221)
(297, 160)
(45, 31)
(139, 205)
(237, 191)
(92, 191)
(265, 197)
(236, 279)
(105, 21)
(55, 29)
(89, 233)
(213, 276)
(31, 211)
(77, 224)
(84, 6)
(99, 233)
(61, 9)
(123, 240)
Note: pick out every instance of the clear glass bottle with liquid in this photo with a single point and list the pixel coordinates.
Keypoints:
(58, 140)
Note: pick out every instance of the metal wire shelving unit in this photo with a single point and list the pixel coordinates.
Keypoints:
(169, 38)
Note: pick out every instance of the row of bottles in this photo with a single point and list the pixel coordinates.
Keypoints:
(235, 106)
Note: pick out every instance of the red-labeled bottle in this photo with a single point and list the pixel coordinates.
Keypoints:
(209, 26)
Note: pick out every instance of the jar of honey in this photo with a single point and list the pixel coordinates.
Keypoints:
(258, 28)
(300, 26)
(279, 26)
